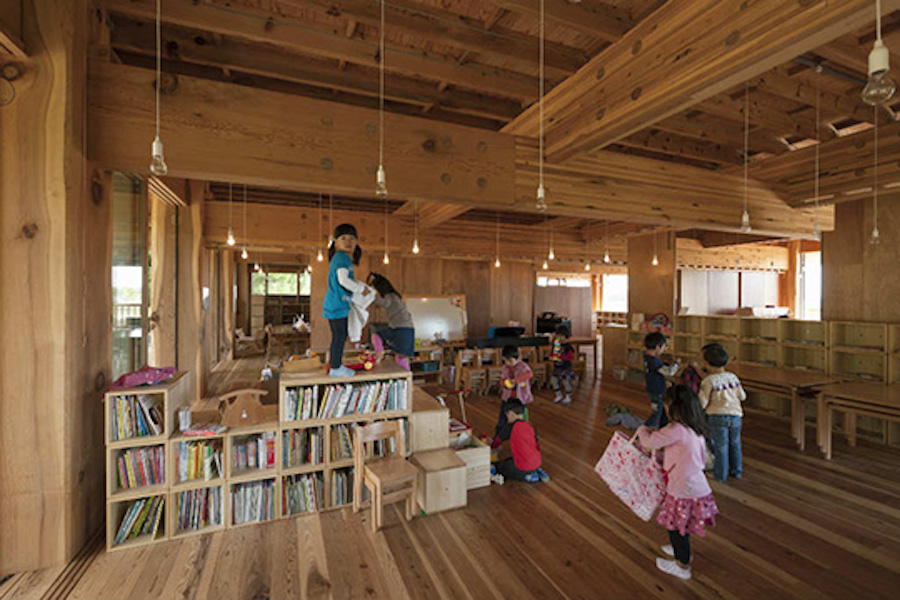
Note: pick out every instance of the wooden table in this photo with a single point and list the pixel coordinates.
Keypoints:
(793, 384)
(856, 398)
(577, 343)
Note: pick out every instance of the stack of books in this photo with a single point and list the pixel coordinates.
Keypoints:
(139, 467)
(196, 509)
(196, 460)
(254, 452)
(253, 502)
(303, 447)
(301, 403)
(345, 399)
(302, 493)
(341, 443)
(342, 487)
(142, 518)
(136, 416)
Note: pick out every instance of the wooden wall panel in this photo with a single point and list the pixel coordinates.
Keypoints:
(859, 279)
(512, 295)
(574, 303)
(651, 289)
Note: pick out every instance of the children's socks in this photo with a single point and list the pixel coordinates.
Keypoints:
(558, 397)
(403, 362)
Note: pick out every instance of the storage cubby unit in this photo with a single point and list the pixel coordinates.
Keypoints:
(252, 452)
(763, 354)
(135, 522)
(732, 347)
(803, 333)
(894, 369)
(864, 366)
(722, 328)
(144, 414)
(197, 511)
(252, 501)
(341, 487)
(686, 325)
(303, 493)
(858, 337)
(810, 358)
(302, 447)
(760, 330)
(341, 443)
(196, 461)
(136, 471)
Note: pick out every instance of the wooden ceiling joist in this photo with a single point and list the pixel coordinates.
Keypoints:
(595, 18)
(683, 53)
(677, 145)
(431, 214)
(262, 27)
(714, 129)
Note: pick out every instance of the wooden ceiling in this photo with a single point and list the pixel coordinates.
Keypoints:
(474, 62)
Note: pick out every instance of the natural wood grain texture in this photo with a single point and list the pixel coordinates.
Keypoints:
(189, 319)
(690, 253)
(163, 283)
(651, 288)
(574, 303)
(688, 52)
(595, 18)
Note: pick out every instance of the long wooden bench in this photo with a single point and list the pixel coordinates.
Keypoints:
(855, 399)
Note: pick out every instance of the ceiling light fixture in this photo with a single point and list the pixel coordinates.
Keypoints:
(157, 160)
(745, 216)
(880, 87)
(244, 253)
(231, 241)
(386, 260)
(545, 266)
(330, 219)
(319, 257)
(380, 178)
(606, 244)
(876, 236)
(497, 250)
(655, 260)
(541, 192)
(415, 247)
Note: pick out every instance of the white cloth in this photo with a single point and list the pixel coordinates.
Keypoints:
(349, 283)
(359, 310)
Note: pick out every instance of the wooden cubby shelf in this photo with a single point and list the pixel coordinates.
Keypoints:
(272, 492)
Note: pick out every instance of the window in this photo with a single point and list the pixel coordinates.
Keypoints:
(563, 281)
(809, 288)
(282, 284)
(615, 293)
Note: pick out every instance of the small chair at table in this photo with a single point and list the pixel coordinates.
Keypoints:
(389, 478)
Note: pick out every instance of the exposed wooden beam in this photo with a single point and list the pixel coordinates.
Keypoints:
(591, 17)
(678, 145)
(683, 53)
(833, 106)
(246, 57)
(725, 132)
(11, 29)
(11, 44)
(261, 26)
(218, 131)
(453, 29)
(431, 214)
(713, 239)
(765, 112)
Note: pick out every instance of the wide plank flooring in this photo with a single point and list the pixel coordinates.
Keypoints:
(795, 526)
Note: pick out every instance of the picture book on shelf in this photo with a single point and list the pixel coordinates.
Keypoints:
(254, 452)
(303, 447)
(140, 467)
(196, 509)
(302, 493)
(339, 400)
(142, 517)
(199, 460)
(136, 416)
(252, 502)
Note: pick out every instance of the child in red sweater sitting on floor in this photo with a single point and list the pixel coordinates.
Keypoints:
(525, 462)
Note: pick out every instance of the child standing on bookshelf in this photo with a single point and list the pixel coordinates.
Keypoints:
(655, 373)
(561, 354)
(343, 253)
(515, 379)
(688, 505)
(721, 394)
(400, 333)
(525, 462)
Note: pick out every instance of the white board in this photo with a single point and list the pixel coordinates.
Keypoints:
(441, 317)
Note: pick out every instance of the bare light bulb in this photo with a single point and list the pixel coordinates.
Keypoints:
(876, 237)
(256, 267)
(817, 231)
(551, 255)
(309, 268)
(655, 261)
(606, 257)
(157, 160)
(745, 223)
(541, 198)
(415, 248)
(319, 256)
(497, 262)
(387, 259)
(545, 266)
(244, 254)
(231, 241)
(880, 86)
(381, 182)
(587, 266)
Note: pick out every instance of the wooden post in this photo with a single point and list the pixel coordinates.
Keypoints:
(651, 288)
(161, 350)
(189, 318)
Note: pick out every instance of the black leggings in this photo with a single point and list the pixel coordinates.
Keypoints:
(509, 470)
(682, 546)
(338, 339)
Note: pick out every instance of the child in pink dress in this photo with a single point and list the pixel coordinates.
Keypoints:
(688, 504)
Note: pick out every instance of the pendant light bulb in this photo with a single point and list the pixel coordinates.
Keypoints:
(319, 257)
(875, 239)
(387, 259)
(606, 257)
(415, 248)
(157, 160)
(817, 231)
(256, 267)
(381, 182)
(545, 266)
(880, 87)
(309, 268)
(655, 261)
(745, 223)
(541, 198)
(587, 266)
(497, 262)
(231, 241)
(551, 255)
(244, 254)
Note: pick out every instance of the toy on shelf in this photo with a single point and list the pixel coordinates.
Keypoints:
(363, 362)
(242, 407)
(658, 322)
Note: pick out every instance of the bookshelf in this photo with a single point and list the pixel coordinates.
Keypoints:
(303, 466)
(137, 425)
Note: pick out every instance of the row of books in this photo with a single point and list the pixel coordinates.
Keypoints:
(345, 399)
(253, 502)
(139, 467)
(302, 493)
(196, 509)
(199, 460)
(136, 416)
(342, 487)
(254, 452)
(142, 517)
(341, 443)
(303, 447)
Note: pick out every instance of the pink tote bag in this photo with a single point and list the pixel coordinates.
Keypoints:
(633, 475)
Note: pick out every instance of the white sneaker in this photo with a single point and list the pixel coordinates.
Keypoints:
(558, 397)
(342, 371)
(497, 478)
(568, 400)
(668, 550)
(673, 568)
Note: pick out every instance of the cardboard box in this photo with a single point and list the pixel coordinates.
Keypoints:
(442, 480)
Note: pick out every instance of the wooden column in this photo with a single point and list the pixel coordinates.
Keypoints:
(651, 289)
(189, 320)
(161, 351)
(242, 310)
(787, 281)
(226, 319)
(56, 296)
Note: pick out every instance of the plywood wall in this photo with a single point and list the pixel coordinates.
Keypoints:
(651, 289)
(574, 303)
(860, 281)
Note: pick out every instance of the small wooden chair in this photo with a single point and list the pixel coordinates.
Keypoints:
(388, 478)
(469, 372)
(579, 367)
(531, 356)
(492, 361)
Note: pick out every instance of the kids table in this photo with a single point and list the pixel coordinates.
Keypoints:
(856, 398)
